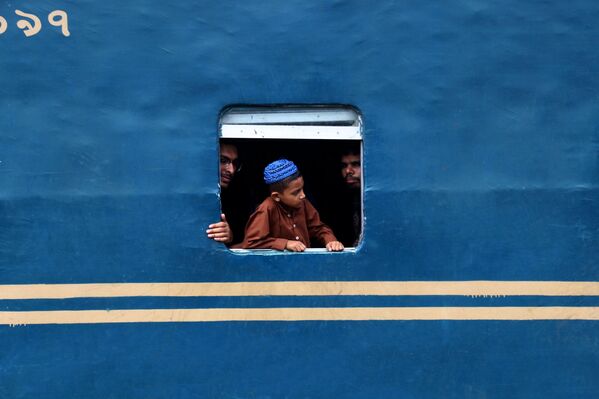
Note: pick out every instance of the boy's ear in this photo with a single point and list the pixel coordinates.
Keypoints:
(275, 195)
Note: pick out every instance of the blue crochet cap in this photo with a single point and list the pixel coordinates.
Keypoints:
(279, 170)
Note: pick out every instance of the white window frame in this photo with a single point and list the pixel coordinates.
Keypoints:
(296, 122)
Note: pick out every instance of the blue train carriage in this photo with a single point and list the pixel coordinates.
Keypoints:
(476, 274)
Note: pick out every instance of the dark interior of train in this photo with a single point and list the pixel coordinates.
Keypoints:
(319, 161)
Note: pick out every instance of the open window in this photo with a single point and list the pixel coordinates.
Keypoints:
(325, 142)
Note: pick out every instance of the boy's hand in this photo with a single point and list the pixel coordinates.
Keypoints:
(334, 246)
(220, 231)
(295, 246)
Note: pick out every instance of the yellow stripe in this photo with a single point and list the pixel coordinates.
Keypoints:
(298, 314)
(301, 288)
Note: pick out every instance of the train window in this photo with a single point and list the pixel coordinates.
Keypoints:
(325, 142)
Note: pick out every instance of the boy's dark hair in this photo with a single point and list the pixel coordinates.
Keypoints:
(281, 185)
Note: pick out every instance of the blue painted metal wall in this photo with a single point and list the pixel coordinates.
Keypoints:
(481, 159)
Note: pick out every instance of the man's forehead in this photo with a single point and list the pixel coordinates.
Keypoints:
(350, 157)
(228, 150)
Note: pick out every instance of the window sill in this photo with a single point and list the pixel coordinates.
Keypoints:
(275, 252)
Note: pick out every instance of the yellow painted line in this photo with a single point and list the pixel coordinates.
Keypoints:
(301, 288)
(298, 314)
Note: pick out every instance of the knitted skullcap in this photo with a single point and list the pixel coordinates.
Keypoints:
(279, 170)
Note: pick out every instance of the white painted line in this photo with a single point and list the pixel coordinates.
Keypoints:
(301, 288)
(291, 132)
(298, 314)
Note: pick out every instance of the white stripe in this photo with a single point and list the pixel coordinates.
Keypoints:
(298, 314)
(291, 132)
(301, 288)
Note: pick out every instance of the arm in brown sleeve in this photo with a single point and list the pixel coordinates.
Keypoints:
(316, 228)
(257, 233)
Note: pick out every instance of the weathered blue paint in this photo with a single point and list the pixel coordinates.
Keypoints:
(285, 301)
(394, 359)
(481, 157)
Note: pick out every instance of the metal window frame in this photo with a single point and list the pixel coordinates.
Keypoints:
(295, 122)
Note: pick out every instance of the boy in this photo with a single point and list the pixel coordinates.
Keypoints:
(286, 219)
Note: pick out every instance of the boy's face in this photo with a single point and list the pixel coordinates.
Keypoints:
(351, 170)
(293, 196)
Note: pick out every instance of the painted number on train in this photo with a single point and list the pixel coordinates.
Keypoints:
(31, 24)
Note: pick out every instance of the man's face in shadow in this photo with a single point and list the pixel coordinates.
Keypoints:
(229, 164)
(351, 171)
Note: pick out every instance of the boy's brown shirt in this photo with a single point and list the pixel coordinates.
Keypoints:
(273, 224)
